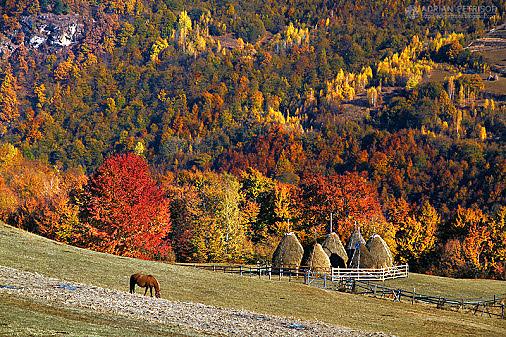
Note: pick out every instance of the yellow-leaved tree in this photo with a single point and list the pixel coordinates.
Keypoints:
(9, 111)
(416, 232)
(207, 218)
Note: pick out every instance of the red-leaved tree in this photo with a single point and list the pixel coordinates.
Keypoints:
(126, 212)
(350, 197)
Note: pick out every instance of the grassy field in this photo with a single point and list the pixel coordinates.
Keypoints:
(495, 57)
(22, 250)
(439, 74)
(495, 87)
(20, 317)
(448, 287)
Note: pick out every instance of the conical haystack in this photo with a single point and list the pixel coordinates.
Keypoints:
(361, 258)
(380, 252)
(355, 240)
(335, 250)
(317, 260)
(358, 254)
(289, 252)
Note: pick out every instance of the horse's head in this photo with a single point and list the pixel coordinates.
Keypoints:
(155, 283)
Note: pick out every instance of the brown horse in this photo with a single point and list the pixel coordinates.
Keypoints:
(145, 281)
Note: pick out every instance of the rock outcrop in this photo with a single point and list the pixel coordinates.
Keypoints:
(45, 32)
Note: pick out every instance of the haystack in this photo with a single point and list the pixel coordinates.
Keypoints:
(358, 254)
(356, 240)
(361, 258)
(317, 260)
(380, 252)
(289, 252)
(335, 250)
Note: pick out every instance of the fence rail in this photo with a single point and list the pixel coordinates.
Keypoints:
(252, 271)
(363, 281)
(491, 307)
(361, 274)
(333, 274)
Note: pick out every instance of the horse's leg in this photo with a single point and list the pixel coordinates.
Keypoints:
(146, 291)
(132, 284)
(151, 290)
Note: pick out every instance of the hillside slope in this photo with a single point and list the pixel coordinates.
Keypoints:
(185, 316)
(28, 252)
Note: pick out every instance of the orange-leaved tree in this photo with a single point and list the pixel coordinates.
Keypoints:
(473, 228)
(350, 197)
(126, 211)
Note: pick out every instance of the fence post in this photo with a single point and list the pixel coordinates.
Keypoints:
(325, 280)
(502, 310)
(290, 275)
(414, 295)
(375, 286)
(441, 303)
(270, 272)
(240, 270)
(250, 273)
(214, 267)
(397, 295)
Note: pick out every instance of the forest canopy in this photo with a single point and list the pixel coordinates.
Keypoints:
(241, 121)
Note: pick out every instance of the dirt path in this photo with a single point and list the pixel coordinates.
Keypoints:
(195, 316)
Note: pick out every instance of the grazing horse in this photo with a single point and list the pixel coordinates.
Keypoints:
(145, 281)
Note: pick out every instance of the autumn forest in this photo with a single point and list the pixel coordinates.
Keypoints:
(204, 131)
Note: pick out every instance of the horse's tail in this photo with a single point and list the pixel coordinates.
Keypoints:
(133, 280)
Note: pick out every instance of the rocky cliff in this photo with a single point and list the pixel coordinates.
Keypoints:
(45, 32)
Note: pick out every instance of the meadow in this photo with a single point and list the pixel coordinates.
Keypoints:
(29, 252)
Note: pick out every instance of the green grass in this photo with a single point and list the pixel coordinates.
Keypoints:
(20, 317)
(22, 250)
(448, 287)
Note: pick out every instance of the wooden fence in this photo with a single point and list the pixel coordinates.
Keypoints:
(361, 274)
(253, 271)
(333, 274)
(491, 307)
(358, 281)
